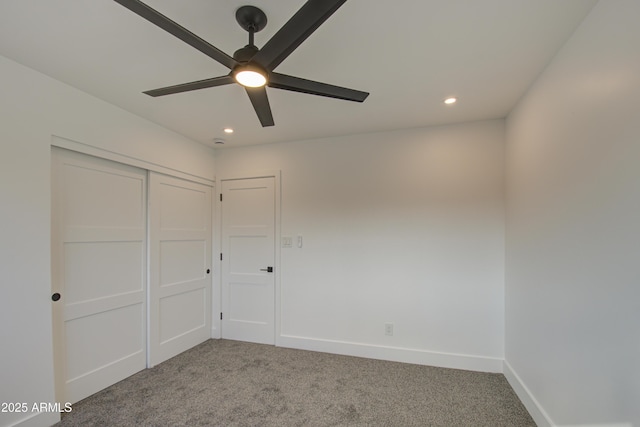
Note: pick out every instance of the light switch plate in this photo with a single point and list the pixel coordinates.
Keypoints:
(287, 242)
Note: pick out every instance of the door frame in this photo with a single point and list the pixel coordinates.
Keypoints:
(217, 285)
(61, 142)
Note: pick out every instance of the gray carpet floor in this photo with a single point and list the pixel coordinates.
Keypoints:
(230, 383)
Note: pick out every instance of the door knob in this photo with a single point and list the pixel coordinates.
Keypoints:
(268, 269)
(55, 297)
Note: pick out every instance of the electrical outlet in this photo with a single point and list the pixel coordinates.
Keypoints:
(388, 329)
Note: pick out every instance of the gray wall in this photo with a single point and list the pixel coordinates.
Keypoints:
(573, 227)
(401, 227)
(35, 108)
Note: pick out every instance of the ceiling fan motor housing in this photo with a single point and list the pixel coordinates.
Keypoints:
(244, 54)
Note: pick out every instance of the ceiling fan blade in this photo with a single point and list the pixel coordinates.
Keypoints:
(306, 20)
(258, 97)
(180, 32)
(185, 87)
(296, 84)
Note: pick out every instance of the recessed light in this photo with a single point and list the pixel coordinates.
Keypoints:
(450, 101)
(228, 130)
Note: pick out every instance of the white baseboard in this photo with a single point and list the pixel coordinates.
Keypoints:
(536, 410)
(38, 419)
(394, 354)
(215, 333)
(599, 425)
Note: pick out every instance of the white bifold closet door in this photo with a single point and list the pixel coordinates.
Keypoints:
(180, 254)
(99, 235)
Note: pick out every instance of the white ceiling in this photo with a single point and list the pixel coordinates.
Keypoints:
(409, 54)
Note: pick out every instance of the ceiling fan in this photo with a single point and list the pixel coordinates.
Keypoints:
(252, 67)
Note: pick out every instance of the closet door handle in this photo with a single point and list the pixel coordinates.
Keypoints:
(268, 269)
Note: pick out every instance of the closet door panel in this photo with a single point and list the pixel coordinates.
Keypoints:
(180, 265)
(99, 224)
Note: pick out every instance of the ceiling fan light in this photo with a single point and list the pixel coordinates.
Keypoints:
(250, 78)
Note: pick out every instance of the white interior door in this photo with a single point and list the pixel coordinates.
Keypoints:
(180, 262)
(99, 271)
(248, 252)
